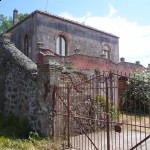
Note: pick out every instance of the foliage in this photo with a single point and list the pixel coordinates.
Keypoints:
(6, 22)
(7, 143)
(136, 97)
(69, 66)
(22, 16)
(33, 136)
(13, 126)
(112, 108)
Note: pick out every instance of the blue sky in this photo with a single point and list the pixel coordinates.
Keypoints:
(128, 19)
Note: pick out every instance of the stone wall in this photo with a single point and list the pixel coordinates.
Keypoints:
(23, 89)
(89, 64)
(18, 79)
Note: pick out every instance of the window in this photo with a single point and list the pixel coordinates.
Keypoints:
(106, 51)
(61, 46)
(26, 45)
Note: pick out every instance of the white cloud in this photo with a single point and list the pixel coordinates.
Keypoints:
(112, 11)
(134, 38)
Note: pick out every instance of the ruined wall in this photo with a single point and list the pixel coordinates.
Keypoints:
(18, 78)
(23, 89)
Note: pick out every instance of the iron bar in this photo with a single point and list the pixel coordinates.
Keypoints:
(107, 115)
(68, 116)
(140, 142)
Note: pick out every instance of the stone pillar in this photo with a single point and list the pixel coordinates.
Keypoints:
(49, 74)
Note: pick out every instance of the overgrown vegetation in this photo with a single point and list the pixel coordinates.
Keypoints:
(136, 97)
(15, 134)
(112, 108)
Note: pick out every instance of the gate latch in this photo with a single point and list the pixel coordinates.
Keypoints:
(118, 128)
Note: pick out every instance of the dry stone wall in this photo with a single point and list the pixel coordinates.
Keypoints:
(20, 86)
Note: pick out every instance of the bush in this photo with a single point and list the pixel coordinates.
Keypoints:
(33, 136)
(112, 108)
(136, 97)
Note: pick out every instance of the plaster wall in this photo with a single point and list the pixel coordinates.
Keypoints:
(89, 41)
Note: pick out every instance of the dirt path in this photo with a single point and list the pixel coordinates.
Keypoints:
(118, 141)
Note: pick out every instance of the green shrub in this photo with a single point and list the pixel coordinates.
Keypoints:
(112, 108)
(69, 66)
(136, 97)
(101, 100)
(33, 136)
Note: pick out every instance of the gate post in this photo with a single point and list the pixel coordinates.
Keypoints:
(107, 116)
(68, 118)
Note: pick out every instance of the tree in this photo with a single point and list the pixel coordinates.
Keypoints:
(136, 97)
(22, 16)
(7, 22)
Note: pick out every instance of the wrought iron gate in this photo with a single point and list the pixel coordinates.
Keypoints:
(103, 112)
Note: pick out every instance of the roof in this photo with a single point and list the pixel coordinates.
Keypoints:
(61, 18)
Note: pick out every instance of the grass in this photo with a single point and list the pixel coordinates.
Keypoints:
(136, 122)
(15, 134)
(7, 143)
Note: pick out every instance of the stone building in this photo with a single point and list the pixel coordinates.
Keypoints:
(61, 36)
(83, 47)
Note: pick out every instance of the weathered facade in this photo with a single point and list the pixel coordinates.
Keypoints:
(62, 37)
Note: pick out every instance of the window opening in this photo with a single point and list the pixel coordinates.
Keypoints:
(26, 45)
(61, 46)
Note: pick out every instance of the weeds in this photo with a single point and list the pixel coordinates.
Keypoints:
(15, 135)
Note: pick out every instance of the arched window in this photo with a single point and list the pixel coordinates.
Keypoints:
(61, 46)
(106, 51)
(26, 45)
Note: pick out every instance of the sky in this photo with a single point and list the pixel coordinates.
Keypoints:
(127, 19)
